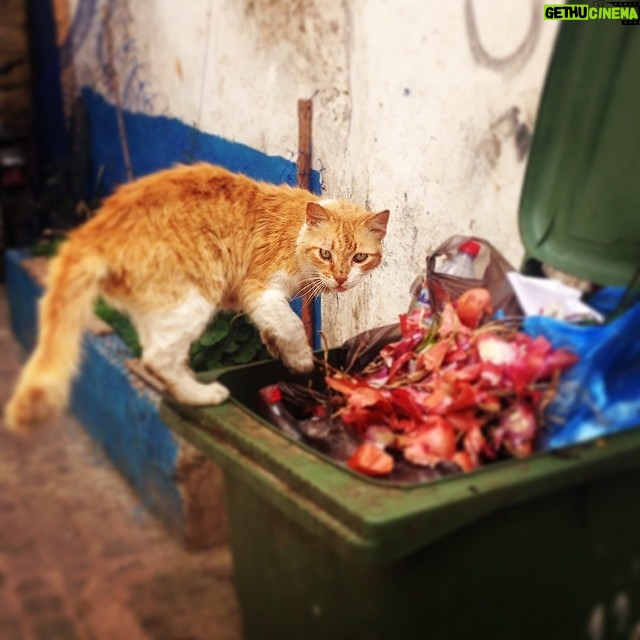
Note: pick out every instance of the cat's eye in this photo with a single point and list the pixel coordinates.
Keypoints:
(360, 257)
(325, 255)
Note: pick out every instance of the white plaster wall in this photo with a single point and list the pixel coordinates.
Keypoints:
(432, 134)
(416, 108)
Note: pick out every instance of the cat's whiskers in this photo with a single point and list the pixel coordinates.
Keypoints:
(312, 290)
(311, 287)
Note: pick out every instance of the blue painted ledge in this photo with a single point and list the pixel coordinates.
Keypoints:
(173, 480)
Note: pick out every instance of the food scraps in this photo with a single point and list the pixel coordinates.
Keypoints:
(450, 390)
(455, 389)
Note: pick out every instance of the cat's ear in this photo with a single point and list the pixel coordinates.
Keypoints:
(316, 214)
(377, 224)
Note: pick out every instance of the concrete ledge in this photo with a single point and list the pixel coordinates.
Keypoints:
(120, 412)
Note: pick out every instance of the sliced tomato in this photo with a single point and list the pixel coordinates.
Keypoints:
(463, 460)
(437, 437)
(371, 460)
(472, 306)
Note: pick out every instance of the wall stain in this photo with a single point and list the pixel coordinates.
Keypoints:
(311, 41)
(512, 63)
(508, 125)
(523, 140)
(297, 24)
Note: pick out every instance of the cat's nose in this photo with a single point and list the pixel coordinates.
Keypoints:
(340, 279)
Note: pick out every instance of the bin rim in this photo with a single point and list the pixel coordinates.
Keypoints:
(373, 521)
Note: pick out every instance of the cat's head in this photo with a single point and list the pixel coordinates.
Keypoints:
(339, 244)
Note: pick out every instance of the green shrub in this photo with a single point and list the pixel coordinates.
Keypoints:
(47, 247)
(121, 324)
(228, 340)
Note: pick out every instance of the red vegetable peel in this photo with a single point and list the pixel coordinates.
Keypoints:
(455, 391)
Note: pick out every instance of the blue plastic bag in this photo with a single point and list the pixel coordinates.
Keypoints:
(600, 395)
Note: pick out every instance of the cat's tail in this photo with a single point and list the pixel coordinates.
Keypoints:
(43, 387)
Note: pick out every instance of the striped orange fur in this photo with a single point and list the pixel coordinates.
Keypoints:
(171, 249)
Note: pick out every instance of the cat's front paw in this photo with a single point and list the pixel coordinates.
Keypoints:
(300, 361)
(270, 343)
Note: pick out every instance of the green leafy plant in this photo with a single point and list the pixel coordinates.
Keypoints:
(47, 246)
(228, 340)
(121, 324)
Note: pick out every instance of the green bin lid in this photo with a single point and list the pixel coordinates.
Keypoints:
(580, 204)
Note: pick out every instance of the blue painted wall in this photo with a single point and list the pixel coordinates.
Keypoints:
(23, 294)
(127, 424)
(157, 142)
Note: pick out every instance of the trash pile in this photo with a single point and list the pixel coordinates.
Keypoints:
(449, 391)
(453, 386)
(453, 393)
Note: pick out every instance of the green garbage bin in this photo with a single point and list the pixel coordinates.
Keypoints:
(543, 548)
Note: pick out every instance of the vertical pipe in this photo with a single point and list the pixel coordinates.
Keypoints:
(305, 112)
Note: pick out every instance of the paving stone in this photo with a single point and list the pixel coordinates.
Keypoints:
(30, 585)
(41, 604)
(11, 628)
(55, 629)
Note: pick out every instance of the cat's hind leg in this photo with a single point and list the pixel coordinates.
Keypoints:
(166, 336)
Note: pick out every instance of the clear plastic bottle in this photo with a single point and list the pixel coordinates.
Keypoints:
(420, 293)
(461, 264)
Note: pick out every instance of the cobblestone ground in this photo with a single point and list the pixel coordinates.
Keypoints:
(79, 556)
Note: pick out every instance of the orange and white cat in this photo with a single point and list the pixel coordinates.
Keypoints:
(174, 247)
